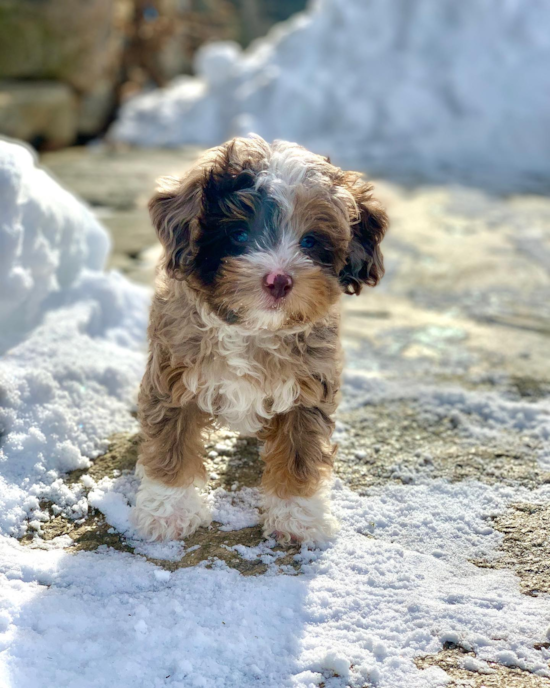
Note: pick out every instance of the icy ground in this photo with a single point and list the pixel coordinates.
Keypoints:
(412, 88)
(440, 573)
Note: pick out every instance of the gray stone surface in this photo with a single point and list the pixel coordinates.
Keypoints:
(32, 110)
(50, 40)
(95, 108)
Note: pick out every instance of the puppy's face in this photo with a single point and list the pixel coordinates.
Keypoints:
(269, 236)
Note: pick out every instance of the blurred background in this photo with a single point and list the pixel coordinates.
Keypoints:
(425, 96)
(67, 65)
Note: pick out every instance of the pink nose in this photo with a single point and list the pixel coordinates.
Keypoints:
(278, 284)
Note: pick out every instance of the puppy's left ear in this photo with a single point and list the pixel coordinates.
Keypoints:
(365, 263)
(174, 211)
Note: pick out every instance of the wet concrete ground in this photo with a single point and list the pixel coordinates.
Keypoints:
(465, 304)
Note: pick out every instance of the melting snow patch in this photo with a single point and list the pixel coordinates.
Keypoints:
(235, 510)
(476, 415)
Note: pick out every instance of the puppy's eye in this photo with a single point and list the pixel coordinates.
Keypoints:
(240, 236)
(308, 241)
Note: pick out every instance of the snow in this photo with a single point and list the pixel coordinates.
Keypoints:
(396, 583)
(430, 87)
(47, 241)
(476, 415)
(235, 510)
(363, 609)
(76, 335)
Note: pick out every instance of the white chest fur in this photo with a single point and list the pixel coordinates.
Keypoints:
(243, 380)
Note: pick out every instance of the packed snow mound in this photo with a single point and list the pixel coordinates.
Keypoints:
(431, 87)
(71, 382)
(47, 239)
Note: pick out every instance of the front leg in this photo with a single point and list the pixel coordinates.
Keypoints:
(168, 504)
(298, 456)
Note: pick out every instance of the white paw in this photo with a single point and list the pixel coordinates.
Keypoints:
(305, 519)
(168, 513)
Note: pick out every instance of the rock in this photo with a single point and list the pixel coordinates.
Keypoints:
(45, 111)
(95, 108)
(75, 41)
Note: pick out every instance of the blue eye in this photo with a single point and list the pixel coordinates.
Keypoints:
(240, 236)
(308, 241)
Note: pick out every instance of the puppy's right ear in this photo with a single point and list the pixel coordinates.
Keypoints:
(174, 211)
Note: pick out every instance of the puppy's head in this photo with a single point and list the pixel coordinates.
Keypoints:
(268, 236)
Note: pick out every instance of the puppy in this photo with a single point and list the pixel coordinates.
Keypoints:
(259, 242)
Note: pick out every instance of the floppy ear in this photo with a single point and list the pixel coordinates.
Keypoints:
(174, 211)
(365, 263)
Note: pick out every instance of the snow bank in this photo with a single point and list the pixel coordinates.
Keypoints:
(47, 239)
(430, 86)
(71, 382)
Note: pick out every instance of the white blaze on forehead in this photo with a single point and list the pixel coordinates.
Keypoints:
(289, 166)
(292, 164)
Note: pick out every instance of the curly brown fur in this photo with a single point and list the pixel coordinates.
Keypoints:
(259, 242)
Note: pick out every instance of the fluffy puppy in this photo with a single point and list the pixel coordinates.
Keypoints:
(259, 242)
